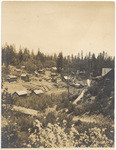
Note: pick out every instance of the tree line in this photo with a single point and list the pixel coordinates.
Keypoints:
(90, 64)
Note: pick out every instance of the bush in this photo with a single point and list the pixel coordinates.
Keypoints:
(77, 111)
(93, 90)
(25, 122)
(71, 108)
(77, 123)
(30, 67)
(51, 118)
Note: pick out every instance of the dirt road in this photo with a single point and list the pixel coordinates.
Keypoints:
(80, 96)
(91, 119)
(25, 110)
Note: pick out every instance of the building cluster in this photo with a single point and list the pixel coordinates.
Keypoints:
(21, 73)
(25, 93)
(106, 73)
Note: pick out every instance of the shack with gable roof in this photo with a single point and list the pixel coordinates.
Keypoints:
(37, 92)
(11, 78)
(25, 77)
(18, 94)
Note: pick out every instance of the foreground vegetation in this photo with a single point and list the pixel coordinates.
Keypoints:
(54, 126)
(54, 130)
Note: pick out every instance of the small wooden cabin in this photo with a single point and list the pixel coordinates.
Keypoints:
(18, 94)
(53, 74)
(54, 69)
(66, 78)
(11, 78)
(23, 67)
(36, 73)
(18, 70)
(37, 92)
(105, 71)
(25, 77)
(42, 71)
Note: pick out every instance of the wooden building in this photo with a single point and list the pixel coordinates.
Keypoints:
(18, 94)
(105, 71)
(54, 69)
(25, 77)
(37, 92)
(11, 78)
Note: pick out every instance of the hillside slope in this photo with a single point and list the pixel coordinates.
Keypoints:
(99, 98)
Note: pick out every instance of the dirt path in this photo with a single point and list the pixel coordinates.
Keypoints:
(80, 96)
(37, 113)
(94, 119)
(32, 112)
(25, 110)
(85, 119)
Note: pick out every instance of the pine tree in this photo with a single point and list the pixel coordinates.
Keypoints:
(60, 62)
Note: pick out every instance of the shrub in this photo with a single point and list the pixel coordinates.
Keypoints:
(77, 112)
(25, 122)
(71, 108)
(51, 118)
(93, 90)
(77, 123)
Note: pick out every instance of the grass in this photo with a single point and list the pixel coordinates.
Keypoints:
(20, 124)
(40, 102)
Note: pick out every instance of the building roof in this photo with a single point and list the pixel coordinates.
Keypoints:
(21, 93)
(40, 70)
(12, 77)
(18, 70)
(38, 92)
(54, 68)
(66, 78)
(53, 74)
(82, 72)
(35, 72)
(109, 75)
(105, 71)
(23, 67)
(77, 84)
(23, 75)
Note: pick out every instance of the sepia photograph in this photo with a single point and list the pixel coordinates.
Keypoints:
(57, 84)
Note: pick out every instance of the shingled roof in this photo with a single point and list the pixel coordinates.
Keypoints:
(38, 92)
(21, 93)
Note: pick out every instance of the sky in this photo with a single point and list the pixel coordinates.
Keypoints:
(70, 27)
